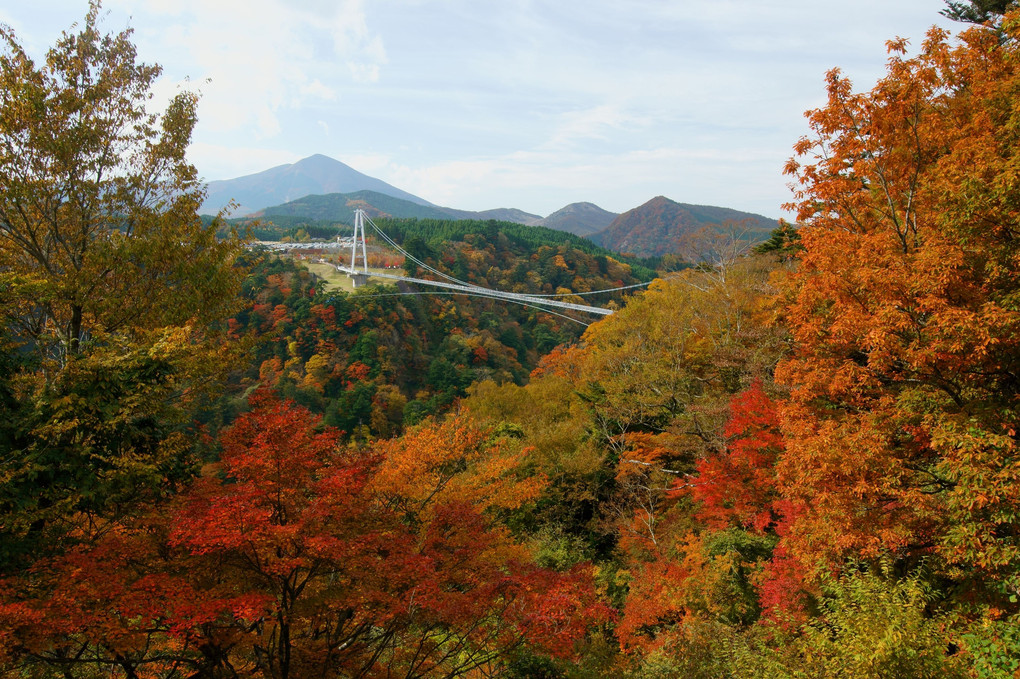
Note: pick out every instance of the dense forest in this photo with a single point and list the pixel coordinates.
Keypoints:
(795, 462)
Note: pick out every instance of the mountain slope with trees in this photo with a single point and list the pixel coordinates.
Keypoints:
(376, 359)
(662, 226)
(340, 207)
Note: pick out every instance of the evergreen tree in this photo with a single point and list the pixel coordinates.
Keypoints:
(976, 11)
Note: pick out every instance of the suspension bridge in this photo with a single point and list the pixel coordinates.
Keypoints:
(446, 282)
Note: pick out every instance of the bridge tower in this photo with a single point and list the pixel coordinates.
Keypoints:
(359, 225)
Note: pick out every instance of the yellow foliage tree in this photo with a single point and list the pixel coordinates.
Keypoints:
(112, 289)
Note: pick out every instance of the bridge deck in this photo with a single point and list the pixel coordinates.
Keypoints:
(485, 292)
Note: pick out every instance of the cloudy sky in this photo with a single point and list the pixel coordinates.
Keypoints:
(533, 104)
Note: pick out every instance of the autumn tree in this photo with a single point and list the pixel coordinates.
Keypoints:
(784, 242)
(292, 529)
(666, 363)
(737, 486)
(295, 557)
(869, 624)
(111, 285)
(98, 224)
(901, 429)
(725, 563)
(884, 487)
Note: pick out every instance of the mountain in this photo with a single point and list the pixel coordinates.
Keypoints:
(580, 219)
(316, 174)
(663, 226)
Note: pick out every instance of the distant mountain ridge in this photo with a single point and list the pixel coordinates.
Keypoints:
(315, 175)
(500, 214)
(319, 188)
(661, 226)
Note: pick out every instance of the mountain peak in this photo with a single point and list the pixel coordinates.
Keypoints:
(319, 160)
(581, 219)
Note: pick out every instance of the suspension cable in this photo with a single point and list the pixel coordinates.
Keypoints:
(413, 258)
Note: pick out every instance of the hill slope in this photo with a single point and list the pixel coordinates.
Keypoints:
(661, 226)
(340, 207)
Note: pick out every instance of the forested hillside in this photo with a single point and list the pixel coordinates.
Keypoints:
(388, 355)
(340, 207)
(797, 462)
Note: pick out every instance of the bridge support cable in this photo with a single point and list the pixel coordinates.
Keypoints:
(535, 301)
(596, 292)
(495, 294)
(408, 255)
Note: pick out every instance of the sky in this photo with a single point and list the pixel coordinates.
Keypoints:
(531, 104)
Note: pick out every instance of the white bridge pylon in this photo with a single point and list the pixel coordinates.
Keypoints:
(361, 277)
(359, 224)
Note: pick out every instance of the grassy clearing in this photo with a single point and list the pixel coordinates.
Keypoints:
(336, 280)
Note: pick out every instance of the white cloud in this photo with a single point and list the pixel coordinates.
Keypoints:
(315, 89)
(597, 122)
(262, 57)
(362, 50)
(363, 72)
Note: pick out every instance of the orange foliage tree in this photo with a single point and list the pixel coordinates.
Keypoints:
(901, 429)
